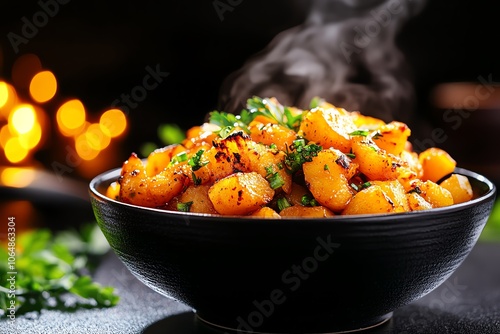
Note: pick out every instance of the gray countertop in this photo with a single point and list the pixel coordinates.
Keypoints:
(468, 302)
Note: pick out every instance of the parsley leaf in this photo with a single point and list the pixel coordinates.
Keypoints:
(50, 268)
(195, 161)
(300, 153)
(275, 179)
(184, 207)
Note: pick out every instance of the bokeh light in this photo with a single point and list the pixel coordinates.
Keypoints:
(31, 139)
(8, 99)
(96, 138)
(84, 149)
(43, 86)
(4, 93)
(5, 134)
(113, 122)
(14, 151)
(71, 117)
(22, 119)
(17, 177)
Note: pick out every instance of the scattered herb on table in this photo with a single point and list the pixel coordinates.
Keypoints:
(53, 268)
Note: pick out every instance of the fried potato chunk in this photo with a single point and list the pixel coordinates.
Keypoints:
(306, 211)
(327, 178)
(240, 193)
(459, 187)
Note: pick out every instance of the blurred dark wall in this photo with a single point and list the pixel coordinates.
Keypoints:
(99, 50)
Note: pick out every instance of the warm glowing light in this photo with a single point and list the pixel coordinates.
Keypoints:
(4, 93)
(84, 150)
(96, 138)
(17, 177)
(71, 117)
(24, 69)
(5, 135)
(43, 86)
(30, 140)
(14, 151)
(113, 122)
(22, 118)
(8, 98)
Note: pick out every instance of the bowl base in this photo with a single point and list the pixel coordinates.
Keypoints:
(367, 324)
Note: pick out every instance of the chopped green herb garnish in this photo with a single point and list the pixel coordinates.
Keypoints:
(316, 102)
(184, 207)
(228, 122)
(307, 200)
(181, 157)
(363, 133)
(326, 167)
(273, 146)
(365, 185)
(275, 179)
(351, 155)
(300, 153)
(283, 203)
(195, 161)
(196, 180)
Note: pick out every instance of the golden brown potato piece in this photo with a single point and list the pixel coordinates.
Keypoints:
(306, 211)
(327, 178)
(396, 192)
(459, 187)
(265, 212)
(267, 162)
(370, 200)
(374, 162)
(392, 137)
(136, 187)
(366, 122)
(113, 190)
(269, 133)
(295, 196)
(328, 128)
(417, 202)
(240, 193)
(433, 193)
(200, 135)
(160, 158)
(198, 197)
(436, 163)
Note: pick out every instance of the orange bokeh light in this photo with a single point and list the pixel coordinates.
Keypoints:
(14, 151)
(96, 138)
(71, 117)
(84, 149)
(43, 86)
(113, 122)
(8, 98)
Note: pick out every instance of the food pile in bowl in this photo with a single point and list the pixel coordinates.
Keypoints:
(277, 161)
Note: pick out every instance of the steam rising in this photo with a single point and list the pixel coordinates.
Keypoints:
(345, 52)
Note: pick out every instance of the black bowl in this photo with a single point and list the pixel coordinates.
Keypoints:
(293, 275)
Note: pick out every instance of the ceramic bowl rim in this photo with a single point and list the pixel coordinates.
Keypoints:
(491, 192)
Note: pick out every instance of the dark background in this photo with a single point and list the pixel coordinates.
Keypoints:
(99, 50)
